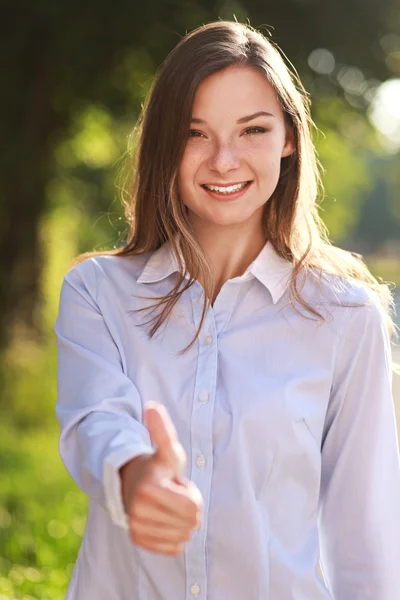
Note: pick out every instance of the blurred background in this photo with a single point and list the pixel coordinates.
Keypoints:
(73, 78)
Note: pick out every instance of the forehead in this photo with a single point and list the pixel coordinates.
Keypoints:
(236, 91)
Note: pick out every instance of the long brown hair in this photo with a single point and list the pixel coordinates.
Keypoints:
(154, 210)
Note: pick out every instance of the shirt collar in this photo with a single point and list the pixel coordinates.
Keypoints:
(269, 268)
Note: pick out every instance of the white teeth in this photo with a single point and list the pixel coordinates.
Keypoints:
(226, 190)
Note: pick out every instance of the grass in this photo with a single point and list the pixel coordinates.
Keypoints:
(42, 516)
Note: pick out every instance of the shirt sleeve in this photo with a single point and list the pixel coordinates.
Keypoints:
(98, 406)
(359, 517)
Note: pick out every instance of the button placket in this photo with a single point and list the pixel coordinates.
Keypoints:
(201, 444)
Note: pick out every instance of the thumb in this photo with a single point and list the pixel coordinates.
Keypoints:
(164, 437)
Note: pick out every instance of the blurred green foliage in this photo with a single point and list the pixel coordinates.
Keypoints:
(42, 516)
(42, 512)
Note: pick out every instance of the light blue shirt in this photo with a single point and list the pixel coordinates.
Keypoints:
(288, 426)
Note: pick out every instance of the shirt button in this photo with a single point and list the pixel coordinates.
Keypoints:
(201, 461)
(208, 340)
(195, 589)
(204, 396)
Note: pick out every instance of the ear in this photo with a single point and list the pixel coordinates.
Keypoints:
(289, 147)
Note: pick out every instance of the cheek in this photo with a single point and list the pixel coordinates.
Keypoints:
(188, 167)
(264, 154)
(184, 174)
(186, 179)
(272, 155)
(264, 164)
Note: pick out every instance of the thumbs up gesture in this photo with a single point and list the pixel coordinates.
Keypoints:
(162, 506)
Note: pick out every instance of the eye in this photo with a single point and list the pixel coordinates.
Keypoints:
(195, 133)
(252, 130)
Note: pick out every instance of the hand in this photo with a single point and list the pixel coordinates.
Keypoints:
(162, 506)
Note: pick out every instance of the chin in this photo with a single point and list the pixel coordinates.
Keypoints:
(225, 220)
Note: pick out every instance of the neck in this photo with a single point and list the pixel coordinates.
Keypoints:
(230, 249)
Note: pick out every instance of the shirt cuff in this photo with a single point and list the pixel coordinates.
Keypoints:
(112, 480)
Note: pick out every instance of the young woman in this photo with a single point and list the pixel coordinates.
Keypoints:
(224, 379)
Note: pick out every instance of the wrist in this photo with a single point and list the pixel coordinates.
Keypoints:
(131, 473)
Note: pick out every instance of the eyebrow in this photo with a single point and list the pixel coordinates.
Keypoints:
(260, 113)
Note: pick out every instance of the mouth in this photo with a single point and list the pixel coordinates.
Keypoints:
(227, 189)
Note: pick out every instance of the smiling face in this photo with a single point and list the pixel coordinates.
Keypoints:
(231, 163)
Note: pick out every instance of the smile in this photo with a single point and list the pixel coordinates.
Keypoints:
(226, 189)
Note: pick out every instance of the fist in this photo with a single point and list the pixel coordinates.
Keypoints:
(162, 506)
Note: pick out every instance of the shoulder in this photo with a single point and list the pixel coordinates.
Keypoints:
(364, 318)
(111, 266)
(349, 304)
(115, 269)
(334, 289)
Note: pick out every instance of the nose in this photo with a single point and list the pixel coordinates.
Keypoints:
(223, 158)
